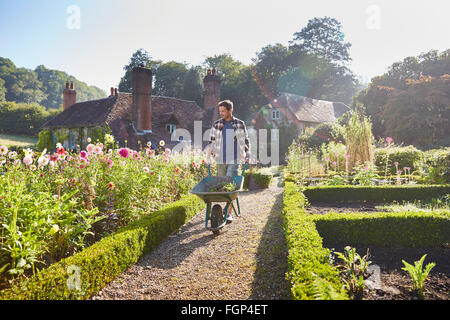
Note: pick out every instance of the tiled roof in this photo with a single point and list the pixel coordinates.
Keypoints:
(311, 110)
(116, 112)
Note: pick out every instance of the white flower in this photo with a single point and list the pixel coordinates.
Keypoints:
(27, 160)
(3, 150)
(146, 169)
(88, 140)
(12, 155)
(162, 143)
(58, 145)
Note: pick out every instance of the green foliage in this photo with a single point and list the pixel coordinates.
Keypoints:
(417, 274)
(40, 86)
(323, 37)
(323, 134)
(404, 156)
(193, 86)
(307, 259)
(410, 101)
(364, 174)
(386, 193)
(45, 140)
(169, 79)
(21, 118)
(391, 229)
(434, 166)
(100, 263)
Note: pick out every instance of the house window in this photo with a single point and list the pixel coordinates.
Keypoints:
(171, 128)
(275, 114)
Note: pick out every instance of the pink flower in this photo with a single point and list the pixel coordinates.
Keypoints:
(327, 159)
(136, 155)
(346, 156)
(389, 139)
(97, 150)
(124, 152)
(396, 163)
(334, 163)
(83, 154)
(27, 160)
(110, 163)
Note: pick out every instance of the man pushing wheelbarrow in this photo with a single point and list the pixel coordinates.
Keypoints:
(230, 146)
(230, 143)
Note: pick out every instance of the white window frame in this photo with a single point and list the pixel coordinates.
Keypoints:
(275, 114)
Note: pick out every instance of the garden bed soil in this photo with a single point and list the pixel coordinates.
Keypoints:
(326, 207)
(395, 283)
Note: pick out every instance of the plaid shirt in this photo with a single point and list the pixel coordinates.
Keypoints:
(241, 134)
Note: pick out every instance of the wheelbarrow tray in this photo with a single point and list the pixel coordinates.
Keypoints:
(201, 188)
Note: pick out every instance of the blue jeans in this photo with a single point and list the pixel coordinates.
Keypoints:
(224, 169)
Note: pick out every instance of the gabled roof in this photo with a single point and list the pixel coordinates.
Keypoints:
(311, 110)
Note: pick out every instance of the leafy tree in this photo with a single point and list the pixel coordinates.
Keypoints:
(323, 37)
(2, 90)
(140, 58)
(169, 79)
(193, 86)
(410, 101)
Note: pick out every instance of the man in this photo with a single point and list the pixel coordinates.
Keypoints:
(230, 143)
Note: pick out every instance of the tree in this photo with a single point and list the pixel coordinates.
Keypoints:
(140, 58)
(169, 79)
(323, 37)
(2, 90)
(270, 64)
(193, 86)
(410, 101)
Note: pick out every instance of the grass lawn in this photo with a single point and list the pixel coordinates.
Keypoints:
(18, 140)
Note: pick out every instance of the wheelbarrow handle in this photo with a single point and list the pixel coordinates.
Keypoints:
(243, 169)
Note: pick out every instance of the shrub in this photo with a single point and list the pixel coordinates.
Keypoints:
(308, 262)
(386, 193)
(412, 229)
(435, 166)
(404, 156)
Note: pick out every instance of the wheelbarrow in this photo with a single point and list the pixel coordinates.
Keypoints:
(215, 214)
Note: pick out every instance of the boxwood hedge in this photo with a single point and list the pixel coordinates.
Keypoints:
(308, 261)
(348, 193)
(85, 273)
(388, 229)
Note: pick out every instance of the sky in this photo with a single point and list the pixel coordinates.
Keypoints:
(94, 39)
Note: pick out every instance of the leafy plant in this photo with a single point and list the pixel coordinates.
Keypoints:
(418, 274)
(355, 269)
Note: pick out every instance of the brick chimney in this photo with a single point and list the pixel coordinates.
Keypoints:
(211, 95)
(69, 96)
(142, 98)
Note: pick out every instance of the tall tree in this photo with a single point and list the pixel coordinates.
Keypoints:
(324, 38)
(140, 58)
(169, 79)
(193, 86)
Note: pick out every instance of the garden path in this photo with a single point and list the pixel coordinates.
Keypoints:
(248, 260)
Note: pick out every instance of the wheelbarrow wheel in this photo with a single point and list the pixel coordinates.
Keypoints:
(216, 217)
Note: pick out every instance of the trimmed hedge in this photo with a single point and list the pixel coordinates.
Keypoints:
(349, 193)
(106, 259)
(399, 229)
(307, 259)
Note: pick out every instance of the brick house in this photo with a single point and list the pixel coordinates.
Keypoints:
(137, 117)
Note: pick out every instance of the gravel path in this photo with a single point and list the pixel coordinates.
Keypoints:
(246, 261)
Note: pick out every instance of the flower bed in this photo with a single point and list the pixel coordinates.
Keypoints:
(85, 273)
(53, 205)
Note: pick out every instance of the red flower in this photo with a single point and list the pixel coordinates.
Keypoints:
(60, 150)
(54, 157)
